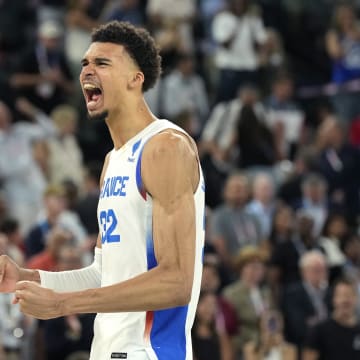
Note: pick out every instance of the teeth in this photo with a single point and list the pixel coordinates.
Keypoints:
(89, 87)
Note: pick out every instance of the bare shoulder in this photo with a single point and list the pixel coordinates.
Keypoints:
(173, 155)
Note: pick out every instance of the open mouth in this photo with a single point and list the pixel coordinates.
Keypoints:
(93, 95)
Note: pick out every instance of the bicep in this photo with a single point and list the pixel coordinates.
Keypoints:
(170, 175)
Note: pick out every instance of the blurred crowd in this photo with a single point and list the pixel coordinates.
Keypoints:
(269, 90)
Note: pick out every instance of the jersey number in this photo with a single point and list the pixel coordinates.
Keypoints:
(108, 222)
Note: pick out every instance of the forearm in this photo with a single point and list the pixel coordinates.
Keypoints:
(74, 280)
(29, 275)
(156, 289)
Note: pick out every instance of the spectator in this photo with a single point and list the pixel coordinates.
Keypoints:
(188, 88)
(314, 200)
(124, 10)
(86, 206)
(175, 15)
(15, 328)
(15, 248)
(339, 163)
(306, 303)
(343, 48)
(262, 204)
(209, 338)
(290, 190)
(210, 282)
(337, 337)
(257, 144)
(22, 180)
(43, 75)
(218, 150)
(232, 226)
(334, 233)
(238, 32)
(271, 344)
(48, 258)
(282, 225)
(66, 336)
(77, 32)
(54, 203)
(284, 269)
(66, 159)
(248, 295)
(284, 116)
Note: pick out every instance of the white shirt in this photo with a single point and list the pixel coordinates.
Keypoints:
(245, 31)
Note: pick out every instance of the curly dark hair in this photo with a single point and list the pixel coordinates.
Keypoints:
(138, 43)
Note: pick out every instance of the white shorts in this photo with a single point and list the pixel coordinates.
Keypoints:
(138, 355)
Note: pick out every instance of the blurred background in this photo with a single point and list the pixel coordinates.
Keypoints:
(269, 90)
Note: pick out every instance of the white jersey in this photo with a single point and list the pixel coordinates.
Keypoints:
(125, 222)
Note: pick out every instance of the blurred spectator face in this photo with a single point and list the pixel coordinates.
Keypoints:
(207, 308)
(283, 89)
(69, 258)
(344, 17)
(239, 7)
(186, 65)
(352, 249)
(248, 95)
(129, 4)
(345, 300)
(65, 118)
(304, 225)
(314, 270)
(263, 189)
(210, 278)
(50, 34)
(236, 191)
(315, 192)
(57, 238)
(337, 227)
(283, 221)
(5, 117)
(253, 273)
(331, 132)
(55, 204)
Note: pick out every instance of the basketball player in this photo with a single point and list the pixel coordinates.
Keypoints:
(145, 279)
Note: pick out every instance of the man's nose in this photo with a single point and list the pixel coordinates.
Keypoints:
(87, 70)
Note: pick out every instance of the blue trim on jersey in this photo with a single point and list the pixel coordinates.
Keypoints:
(167, 334)
(139, 182)
(150, 252)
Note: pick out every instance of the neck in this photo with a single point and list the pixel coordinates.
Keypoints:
(345, 319)
(126, 123)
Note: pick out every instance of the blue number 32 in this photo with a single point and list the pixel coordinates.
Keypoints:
(108, 223)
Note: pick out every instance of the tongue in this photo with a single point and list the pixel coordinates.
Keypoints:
(95, 97)
(93, 100)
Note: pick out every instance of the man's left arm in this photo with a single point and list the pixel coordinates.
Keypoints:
(170, 174)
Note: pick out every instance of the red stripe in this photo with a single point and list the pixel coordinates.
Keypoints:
(148, 325)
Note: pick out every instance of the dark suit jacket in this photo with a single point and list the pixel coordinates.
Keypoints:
(299, 312)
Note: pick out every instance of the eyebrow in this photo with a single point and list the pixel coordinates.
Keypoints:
(96, 60)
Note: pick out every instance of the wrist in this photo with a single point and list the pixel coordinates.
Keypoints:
(29, 275)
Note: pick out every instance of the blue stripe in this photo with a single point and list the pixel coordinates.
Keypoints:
(139, 182)
(150, 252)
(167, 335)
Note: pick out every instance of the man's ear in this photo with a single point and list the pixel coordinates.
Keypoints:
(136, 80)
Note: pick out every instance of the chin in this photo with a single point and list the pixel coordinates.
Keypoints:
(99, 116)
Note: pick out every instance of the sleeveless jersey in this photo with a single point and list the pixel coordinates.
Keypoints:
(125, 224)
